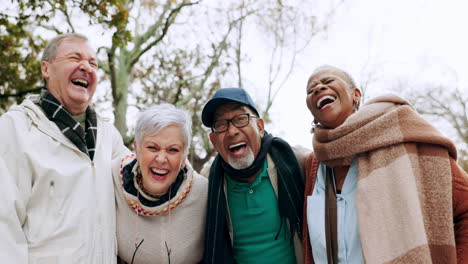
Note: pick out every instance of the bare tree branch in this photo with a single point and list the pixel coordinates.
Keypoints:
(169, 20)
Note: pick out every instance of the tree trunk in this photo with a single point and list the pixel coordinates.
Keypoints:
(120, 88)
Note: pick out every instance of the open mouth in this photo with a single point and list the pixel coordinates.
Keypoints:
(159, 173)
(237, 148)
(80, 82)
(325, 100)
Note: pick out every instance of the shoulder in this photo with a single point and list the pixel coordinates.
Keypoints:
(200, 182)
(15, 113)
(26, 114)
(301, 152)
(311, 158)
(459, 177)
(110, 132)
(105, 122)
(15, 121)
(199, 186)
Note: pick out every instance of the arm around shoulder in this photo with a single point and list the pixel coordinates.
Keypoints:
(119, 150)
(301, 154)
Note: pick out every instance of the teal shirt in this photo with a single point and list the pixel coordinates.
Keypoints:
(255, 222)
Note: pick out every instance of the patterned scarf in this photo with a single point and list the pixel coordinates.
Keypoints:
(145, 205)
(130, 185)
(218, 247)
(84, 139)
(404, 193)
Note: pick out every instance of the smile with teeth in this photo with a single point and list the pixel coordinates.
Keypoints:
(80, 82)
(159, 172)
(237, 148)
(325, 100)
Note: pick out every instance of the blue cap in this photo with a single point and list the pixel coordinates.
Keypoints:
(224, 96)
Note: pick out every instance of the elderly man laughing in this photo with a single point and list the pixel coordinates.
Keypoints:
(256, 186)
(58, 153)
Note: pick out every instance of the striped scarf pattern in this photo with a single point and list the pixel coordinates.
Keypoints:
(83, 138)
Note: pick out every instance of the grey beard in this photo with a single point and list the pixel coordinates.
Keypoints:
(243, 162)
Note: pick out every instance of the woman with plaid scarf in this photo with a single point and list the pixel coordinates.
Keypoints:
(382, 185)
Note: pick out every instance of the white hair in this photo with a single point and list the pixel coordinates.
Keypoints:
(152, 120)
(348, 78)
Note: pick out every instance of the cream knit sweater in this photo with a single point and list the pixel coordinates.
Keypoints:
(182, 230)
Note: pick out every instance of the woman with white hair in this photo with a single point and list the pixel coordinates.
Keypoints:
(160, 199)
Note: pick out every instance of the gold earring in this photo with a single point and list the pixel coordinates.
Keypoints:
(314, 125)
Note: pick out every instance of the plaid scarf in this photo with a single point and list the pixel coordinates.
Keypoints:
(404, 189)
(218, 247)
(84, 139)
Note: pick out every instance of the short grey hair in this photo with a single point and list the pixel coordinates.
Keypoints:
(152, 120)
(50, 50)
(348, 78)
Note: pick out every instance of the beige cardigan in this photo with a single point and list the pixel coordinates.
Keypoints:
(184, 235)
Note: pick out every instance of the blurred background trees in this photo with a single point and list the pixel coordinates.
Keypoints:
(150, 51)
(445, 105)
(181, 51)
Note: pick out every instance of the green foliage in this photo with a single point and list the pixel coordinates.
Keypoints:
(112, 14)
(20, 70)
(177, 51)
(20, 48)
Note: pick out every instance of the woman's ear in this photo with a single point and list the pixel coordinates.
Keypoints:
(357, 94)
(182, 164)
(135, 147)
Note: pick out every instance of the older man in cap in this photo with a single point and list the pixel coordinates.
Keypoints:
(57, 201)
(256, 186)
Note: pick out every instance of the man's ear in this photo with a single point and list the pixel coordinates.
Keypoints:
(45, 69)
(212, 136)
(261, 126)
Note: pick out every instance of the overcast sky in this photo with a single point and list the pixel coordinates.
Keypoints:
(414, 40)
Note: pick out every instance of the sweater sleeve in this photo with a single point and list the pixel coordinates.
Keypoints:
(460, 210)
(311, 165)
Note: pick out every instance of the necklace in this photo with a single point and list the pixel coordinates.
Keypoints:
(145, 192)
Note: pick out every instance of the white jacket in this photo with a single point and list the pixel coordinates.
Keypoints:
(56, 205)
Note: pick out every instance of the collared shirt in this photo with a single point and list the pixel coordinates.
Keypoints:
(81, 119)
(256, 221)
(349, 245)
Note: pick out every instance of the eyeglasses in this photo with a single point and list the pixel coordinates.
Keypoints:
(238, 121)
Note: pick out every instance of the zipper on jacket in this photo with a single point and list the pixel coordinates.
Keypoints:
(51, 188)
